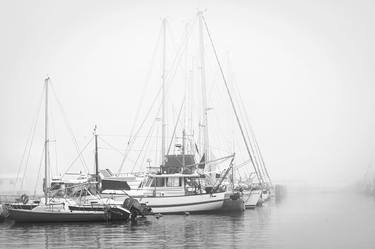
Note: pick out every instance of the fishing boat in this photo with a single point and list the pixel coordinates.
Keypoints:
(180, 193)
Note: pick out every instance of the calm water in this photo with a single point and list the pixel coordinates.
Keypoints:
(314, 220)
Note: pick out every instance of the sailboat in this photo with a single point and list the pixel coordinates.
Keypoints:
(181, 184)
(62, 209)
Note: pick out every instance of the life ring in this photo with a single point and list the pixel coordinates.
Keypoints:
(24, 198)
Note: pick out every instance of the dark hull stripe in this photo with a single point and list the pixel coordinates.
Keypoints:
(250, 206)
(19, 215)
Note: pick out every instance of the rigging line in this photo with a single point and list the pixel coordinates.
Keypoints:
(143, 160)
(29, 138)
(29, 151)
(175, 127)
(221, 159)
(230, 97)
(252, 133)
(111, 146)
(238, 166)
(147, 137)
(69, 127)
(106, 135)
(251, 140)
(40, 167)
(54, 134)
(258, 164)
(143, 146)
(131, 142)
(178, 56)
(244, 131)
(147, 80)
(156, 145)
(79, 155)
(171, 35)
(168, 77)
(186, 78)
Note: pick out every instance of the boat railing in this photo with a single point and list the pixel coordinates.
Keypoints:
(9, 198)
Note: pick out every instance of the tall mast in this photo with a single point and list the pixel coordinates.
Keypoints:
(96, 160)
(163, 123)
(203, 84)
(46, 152)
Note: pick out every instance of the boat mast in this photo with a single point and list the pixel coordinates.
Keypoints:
(163, 123)
(183, 148)
(46, 171)
(96, 160)
(204, 97)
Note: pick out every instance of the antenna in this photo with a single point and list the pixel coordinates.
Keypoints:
(204, 95)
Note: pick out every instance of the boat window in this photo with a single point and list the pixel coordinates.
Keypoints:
(173, 182)
(150, 182)
(159, 181)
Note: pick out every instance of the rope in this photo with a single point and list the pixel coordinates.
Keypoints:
(79, 155)
(148, 75)
(169, 76)
(111, 146)
(175, 127)
(143, 160)
(54, 134)
(253, 135)
(31, 142)
(230, 97)
(131, 141)
(40, 166)
(69, 127)
(147, 139)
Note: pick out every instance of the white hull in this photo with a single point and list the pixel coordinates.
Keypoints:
(252, 198)
(181, 204)
(266, 196)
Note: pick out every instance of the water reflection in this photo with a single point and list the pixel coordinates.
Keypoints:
(314, 220)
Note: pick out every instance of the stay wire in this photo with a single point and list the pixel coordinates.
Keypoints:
(147, 80)
(253, 135)
(31, 141)
(110, 145)
(225, 82)
(169, 76)
(69, 127)
(40, 167)
(79, 155)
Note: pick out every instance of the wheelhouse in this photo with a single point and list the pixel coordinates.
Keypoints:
(173, 184)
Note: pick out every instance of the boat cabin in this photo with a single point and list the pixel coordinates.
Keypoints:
(173, 185)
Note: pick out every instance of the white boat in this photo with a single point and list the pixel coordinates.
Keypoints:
(266, 195)
(252, 198)
(179, 193)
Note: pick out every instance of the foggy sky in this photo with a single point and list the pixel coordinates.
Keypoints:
(304, 68)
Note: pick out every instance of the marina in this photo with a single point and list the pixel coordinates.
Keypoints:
(167, 126)
(189, 181)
